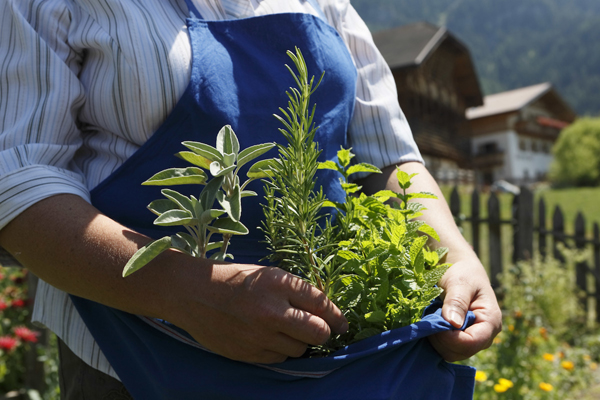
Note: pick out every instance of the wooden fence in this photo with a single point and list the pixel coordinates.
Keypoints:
(525, 232)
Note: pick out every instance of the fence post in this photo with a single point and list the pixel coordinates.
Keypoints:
(523, 228)
(475, 220)
(495, 239)
(542, 244)
(596, 245)
(581, 267)
(455, 205)
(558, 232)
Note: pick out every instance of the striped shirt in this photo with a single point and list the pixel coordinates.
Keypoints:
(84, 83)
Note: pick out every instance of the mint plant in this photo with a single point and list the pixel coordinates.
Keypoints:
(199, 216)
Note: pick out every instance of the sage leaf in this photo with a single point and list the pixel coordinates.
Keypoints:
(174, 218)
(194, 158)
(204, 150)
(252, 152)
(261, 169)
(228, 226)
(177, 176)
(161, 206)
(184, 202)
(227, 141)
(207, 197)
(146, 254)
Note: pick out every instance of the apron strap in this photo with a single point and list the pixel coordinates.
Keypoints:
(318, 9)
(194, 13)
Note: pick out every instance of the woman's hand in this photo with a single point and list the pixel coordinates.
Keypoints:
(244, 312)
(467, 288)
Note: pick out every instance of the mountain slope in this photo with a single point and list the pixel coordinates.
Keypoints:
(514, 43)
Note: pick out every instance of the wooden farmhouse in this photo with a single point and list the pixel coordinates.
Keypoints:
(437, 83)
(513, 133)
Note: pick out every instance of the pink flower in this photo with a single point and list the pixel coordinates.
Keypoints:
(8, 343)
(3, 305)
(26, 334)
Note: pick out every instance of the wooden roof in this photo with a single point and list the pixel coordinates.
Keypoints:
(409, 46)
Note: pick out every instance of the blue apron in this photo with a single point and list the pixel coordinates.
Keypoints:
(238, 78)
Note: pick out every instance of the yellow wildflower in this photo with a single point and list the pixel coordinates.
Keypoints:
(548, 357)
(511, 328)
(568, 365)
(546, 387)
(518, 314)
(594, 366)
(587, 357)
(497, 340)
(505, 382)
(500, 388)
(480, 376)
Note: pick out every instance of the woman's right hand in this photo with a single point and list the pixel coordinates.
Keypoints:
(244, 312)
(257, 314)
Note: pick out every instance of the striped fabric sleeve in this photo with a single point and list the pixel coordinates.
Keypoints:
(39, 98)
(379, 133)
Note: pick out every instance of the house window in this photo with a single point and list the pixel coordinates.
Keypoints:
(523, 144)
(534, 146)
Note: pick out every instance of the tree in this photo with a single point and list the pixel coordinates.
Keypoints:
(576, 161)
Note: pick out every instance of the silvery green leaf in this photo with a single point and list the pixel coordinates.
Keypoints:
(194, 158)
(227, 141)
(220, 256)
(223, 171)
(177, 242)
(178, 176)
(228, 226)
(204, 150)
(209, 192)
(174, 218)
(363, 167)
(247, 193)
(146, 254)
(208, 215)
(184, 202)
(252, 152)
(235, 200)
(187, 238)
(215, 168)
(262, 169)
(213, 245)
(162, 205)
(229, 159)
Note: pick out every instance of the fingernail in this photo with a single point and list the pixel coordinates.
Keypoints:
(455, 318)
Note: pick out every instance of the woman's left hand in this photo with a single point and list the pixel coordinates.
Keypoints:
(467, 288)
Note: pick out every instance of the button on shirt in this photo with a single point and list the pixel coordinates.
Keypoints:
(84, 83)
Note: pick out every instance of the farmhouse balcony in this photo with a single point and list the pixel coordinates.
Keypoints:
(488, 160)
(543, 128)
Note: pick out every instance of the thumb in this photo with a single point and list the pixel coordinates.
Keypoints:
(456, 304)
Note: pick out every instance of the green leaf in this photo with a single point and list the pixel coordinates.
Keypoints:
(227, 141)
(178, 176)
(174, 218)
(180, 238)
(247, 193)
(209, 192)
(262, 169)
(184, 202)
(162, 205)
(216, 169)
(344, 157)
(375, 317)
(146, 254)
(351, 187)
(363, 167)
(329, 165)
(194, 158)
(229, 159)
(204, 150)
(416, 247)
(236, 204)
(403, 178)
(367, 332)
(385, 194)
(208, 215)
(252, 152)
(429, 231)
(421, 195)
(228, 226)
